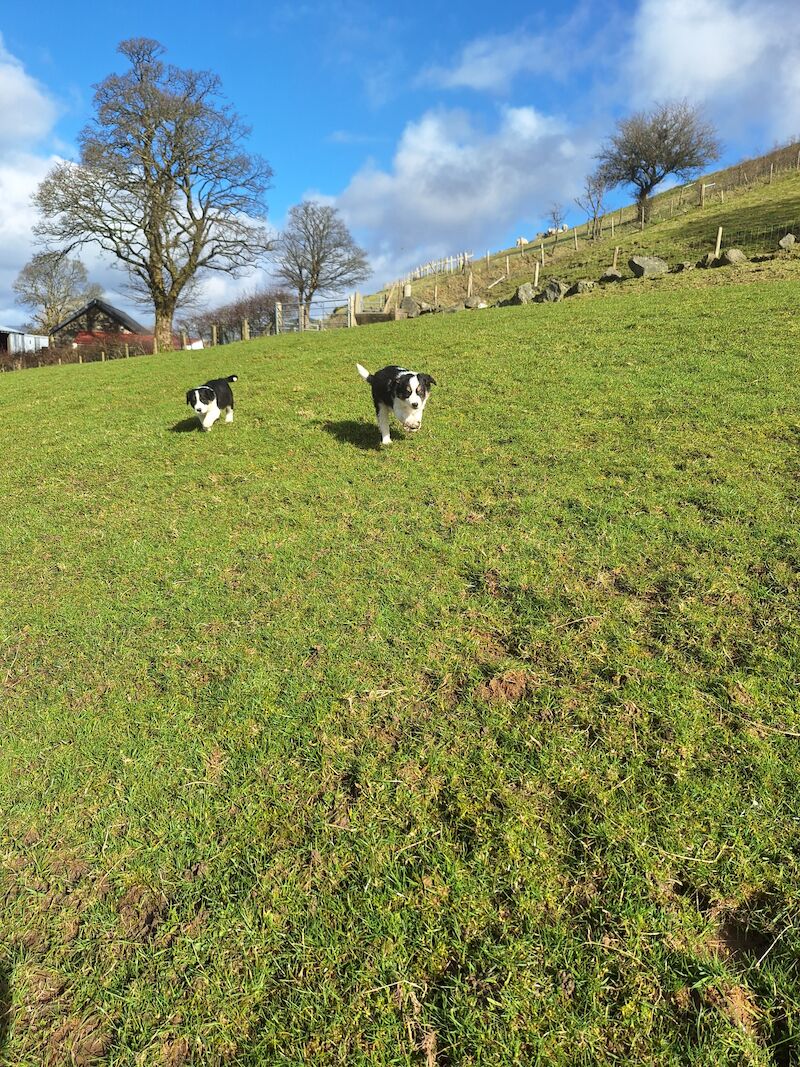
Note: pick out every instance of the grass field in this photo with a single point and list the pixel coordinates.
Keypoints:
(482, 749)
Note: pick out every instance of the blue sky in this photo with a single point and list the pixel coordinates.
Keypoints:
(434, 128)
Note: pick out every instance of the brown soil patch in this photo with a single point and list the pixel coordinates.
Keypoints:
(79, 1043)
(140, 911)
(175, 1052)
(505, 688)
(737, 1003)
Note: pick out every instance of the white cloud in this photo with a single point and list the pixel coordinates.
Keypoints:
(740, 58)
(454, 187)
(28, 113)
(490, 64)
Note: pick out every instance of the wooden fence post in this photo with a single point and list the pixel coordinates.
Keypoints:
(487, 258)
(245, 330)
(80, 358)
(214, 335)
(616, 253)
(536, 274)
(771, 168)
(184, 340)
(719, 243)
(127, 350)
(612, 228)
(102, 356)
(278, 317)
(575, 235)
(435, 294)
(155, 345)
(542, 253)
(508, 266)
(469, 284)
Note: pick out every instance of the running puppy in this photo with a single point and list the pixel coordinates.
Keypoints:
(405, 392)
(210, 400)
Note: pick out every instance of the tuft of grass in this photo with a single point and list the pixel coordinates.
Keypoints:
(482, 749)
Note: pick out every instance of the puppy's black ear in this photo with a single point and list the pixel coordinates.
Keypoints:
(427, 380)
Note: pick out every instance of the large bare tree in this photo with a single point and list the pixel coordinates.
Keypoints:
(52, 286)
(672, 138)
(163, 183)
(316, 253)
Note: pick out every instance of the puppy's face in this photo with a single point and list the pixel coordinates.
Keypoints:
(200, 399)
(410, 397)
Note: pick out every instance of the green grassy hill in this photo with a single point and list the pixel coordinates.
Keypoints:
(680, 231)
(482, 749)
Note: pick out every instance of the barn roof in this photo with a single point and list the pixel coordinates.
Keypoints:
(114, 313)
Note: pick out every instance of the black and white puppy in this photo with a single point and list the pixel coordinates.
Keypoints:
(405, 392)
(211, 400)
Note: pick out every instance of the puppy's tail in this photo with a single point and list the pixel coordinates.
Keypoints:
(365, 374)
(232, 378)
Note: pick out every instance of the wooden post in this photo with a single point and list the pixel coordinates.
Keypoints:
(245, 330)
(616, 254)
(612, 227)
(575, 235)
(719, 243)
(536, 274)
(703, 195)
(184, 340)
(542, 253)
(155, 345)
(797, 164)
(300, 317)
(469, 283)
(127, 350)
(278, 319)
(80, 358)
(435, 294)
(214, 335)
(508, 268)
(771, 168)
(102, 356)
(641, 225)
(406, 291)
(722, 196)
(487, 258)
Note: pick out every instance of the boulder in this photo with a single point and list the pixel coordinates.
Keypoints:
(787, 242)
(410, 306)
(731, 256)
(582, 285)
(708, 260)
(525, 294)
(647, 266)
(554, 291)
(611, 275)
(454, 308)
(473, 302)
(679, 267)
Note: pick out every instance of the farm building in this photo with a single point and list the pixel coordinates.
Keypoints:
(19, 343)
(99, 323)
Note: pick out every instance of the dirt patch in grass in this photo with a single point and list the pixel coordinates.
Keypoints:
(505, 688)
(175, 1052)
(79, 1043)
(140, 911)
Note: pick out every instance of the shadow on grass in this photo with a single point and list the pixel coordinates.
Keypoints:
(185, 426)
(349, 432)
(5, 1004)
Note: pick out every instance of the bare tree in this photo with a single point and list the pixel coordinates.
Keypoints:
(672, 138)
(163, 183)
(52, 286)
(316, 254)
(595, 187)
(556, 217)
(258, 307)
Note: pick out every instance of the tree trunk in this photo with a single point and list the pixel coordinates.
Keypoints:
(643, 204)
(163, 330)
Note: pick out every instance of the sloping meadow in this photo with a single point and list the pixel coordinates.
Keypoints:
(482, 749)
